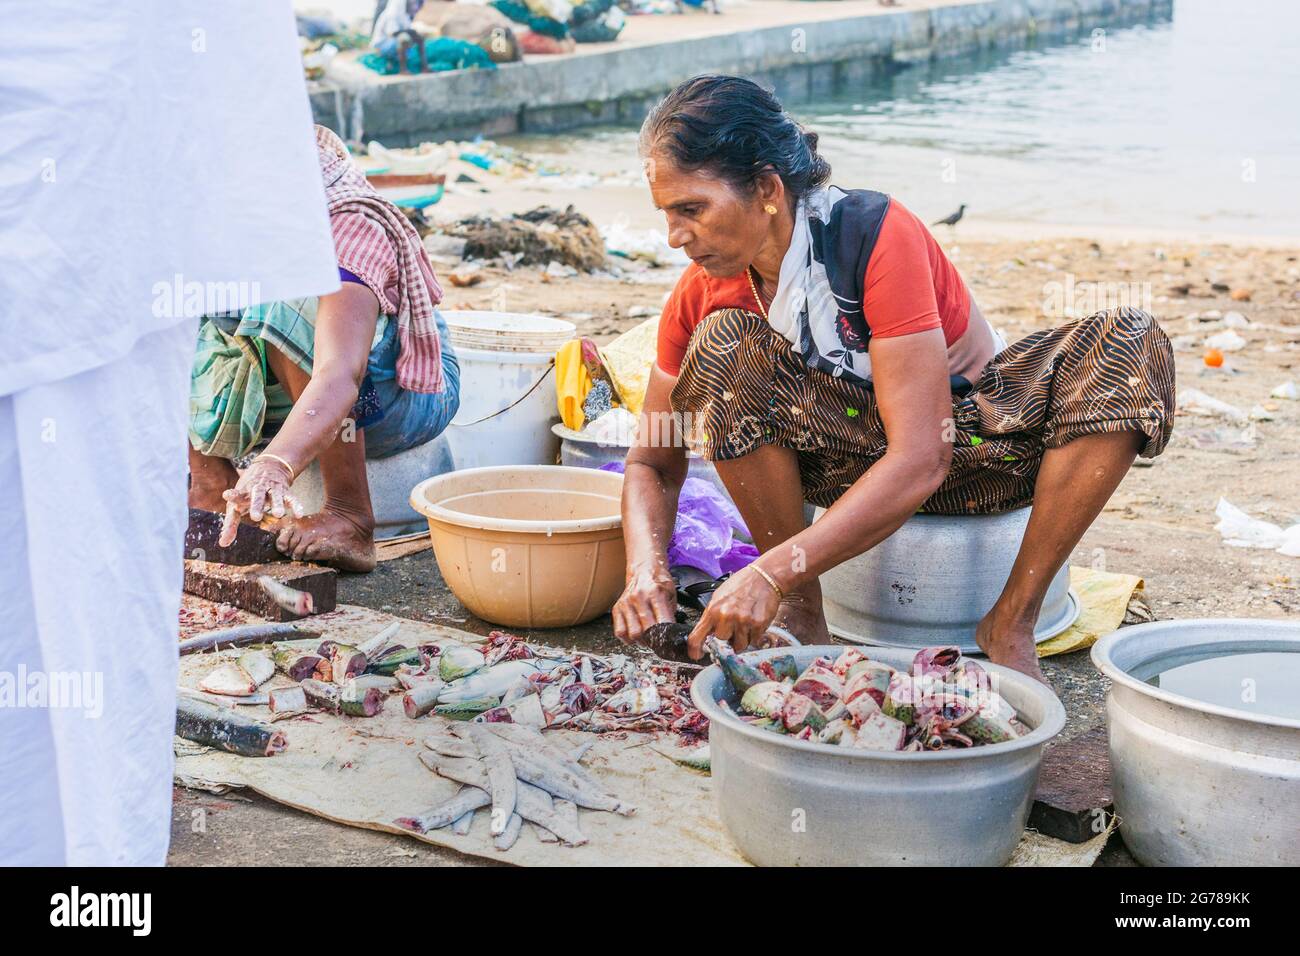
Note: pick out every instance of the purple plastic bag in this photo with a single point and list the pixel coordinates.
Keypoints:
(705, 534)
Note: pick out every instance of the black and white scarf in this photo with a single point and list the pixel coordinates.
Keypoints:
(818, 303)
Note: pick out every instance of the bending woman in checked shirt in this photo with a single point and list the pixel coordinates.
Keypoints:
(364, 372)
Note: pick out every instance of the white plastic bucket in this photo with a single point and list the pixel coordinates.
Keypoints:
(507, 388)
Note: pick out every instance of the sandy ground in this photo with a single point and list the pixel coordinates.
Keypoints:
(1160, 524)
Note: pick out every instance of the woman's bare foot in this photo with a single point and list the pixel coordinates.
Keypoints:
(329, 537)
(209, 477)
(1010, 643)
(207, 498)
(801, 615)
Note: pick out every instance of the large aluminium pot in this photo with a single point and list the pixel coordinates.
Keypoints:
(791, 803)
(1199, 784)
(932, 580)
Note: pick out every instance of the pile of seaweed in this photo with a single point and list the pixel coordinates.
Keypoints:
(537, 237)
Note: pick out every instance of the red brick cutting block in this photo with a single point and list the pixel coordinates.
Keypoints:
(237, 585)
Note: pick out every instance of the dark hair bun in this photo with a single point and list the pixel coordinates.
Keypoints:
(821, 170)
(737, 130)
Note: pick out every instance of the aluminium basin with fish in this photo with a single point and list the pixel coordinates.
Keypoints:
(944, 701)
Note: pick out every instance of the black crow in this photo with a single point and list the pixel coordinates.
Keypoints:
(951, 220)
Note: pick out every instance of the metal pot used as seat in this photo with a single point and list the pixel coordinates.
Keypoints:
(933, 579)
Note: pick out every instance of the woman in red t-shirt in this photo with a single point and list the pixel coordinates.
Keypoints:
(821, 347)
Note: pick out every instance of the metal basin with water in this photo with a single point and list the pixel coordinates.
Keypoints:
(1206, 768)
(933, 579)
(792, 803)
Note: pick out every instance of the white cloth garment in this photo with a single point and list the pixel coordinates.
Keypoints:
(158, 160)
(92, 503)
(150, 149)
(393, 20)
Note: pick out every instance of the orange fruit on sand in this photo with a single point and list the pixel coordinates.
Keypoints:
(1213, 358)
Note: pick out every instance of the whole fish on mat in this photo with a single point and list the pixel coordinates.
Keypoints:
(465, 802)
(501, 775)
(244, 634)
(226, 729)
(537, 762)
(528, 805)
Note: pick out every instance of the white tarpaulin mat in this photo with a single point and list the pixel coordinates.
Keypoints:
(366, 772)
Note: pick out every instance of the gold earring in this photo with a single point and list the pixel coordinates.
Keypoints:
(770, 209)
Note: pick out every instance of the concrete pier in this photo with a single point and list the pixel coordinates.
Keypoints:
(804, 49)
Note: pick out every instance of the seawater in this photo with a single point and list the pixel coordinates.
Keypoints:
(1188, 122)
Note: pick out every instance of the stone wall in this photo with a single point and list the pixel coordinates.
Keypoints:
(619, 85)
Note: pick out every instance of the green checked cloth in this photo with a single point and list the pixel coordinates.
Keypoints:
(230, 400)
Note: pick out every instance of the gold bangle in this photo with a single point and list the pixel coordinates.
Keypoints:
(770, 580)
(288, 467)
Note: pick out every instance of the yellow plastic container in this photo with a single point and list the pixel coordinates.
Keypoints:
(528, 545)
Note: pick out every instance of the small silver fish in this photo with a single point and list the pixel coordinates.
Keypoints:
(506, 839)
(501, 775)
(532, 740)
(445, 814)
(529, 804)
(559, 781)
(452, 747)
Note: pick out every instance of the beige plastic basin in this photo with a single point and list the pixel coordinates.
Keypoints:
(527, 545)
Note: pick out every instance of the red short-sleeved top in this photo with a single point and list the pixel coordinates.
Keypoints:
(910, 286)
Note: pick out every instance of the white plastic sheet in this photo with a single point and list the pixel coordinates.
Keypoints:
(1240, 530)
